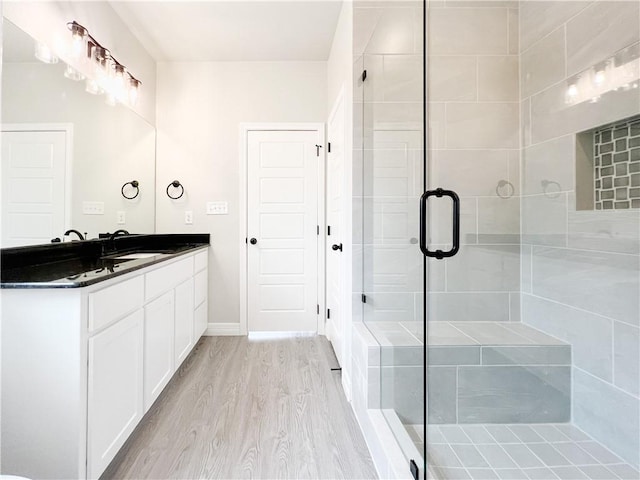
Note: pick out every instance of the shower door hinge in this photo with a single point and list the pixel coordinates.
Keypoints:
(317, 229)
(317, 309)
(329, 230)
(415, 473)
(328, 313)
(328, 147)
(364, 298)
(364, 75)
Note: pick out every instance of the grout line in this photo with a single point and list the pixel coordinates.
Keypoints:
(620, 390)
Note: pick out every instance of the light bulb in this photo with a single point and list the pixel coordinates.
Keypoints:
(599, 77)
(45, 54)
(73, 74)
(93, 87)
(134, 91)
(78, 39)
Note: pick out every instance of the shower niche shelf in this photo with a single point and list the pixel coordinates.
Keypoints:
(608, 166)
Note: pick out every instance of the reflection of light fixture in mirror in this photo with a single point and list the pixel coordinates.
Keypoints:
(73, 74)
(45, 54)
(106, 74)
(619, 72)
(78, 39)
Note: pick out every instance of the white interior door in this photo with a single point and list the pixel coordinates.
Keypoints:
(335, 222)
(33, 186)
(282, 217)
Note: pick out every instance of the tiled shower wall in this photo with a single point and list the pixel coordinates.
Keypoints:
(580, 269)
(474, 150)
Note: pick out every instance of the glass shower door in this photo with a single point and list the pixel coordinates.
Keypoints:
(533, 328)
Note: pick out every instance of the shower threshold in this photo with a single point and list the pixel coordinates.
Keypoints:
(520, 451)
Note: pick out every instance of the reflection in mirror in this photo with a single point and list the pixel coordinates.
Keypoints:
(66, 154)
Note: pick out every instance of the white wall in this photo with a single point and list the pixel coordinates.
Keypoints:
(200, 106)
(47, 22)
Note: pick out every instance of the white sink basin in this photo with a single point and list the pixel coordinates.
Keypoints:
(137, 256)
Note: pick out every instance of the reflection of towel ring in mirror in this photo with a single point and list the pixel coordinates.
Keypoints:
(175, 184)
(546, 183)
(134, 184)
(505, 183)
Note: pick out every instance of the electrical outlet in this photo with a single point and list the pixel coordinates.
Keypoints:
(122, 217)
(93, 208)
(188, 217)
(217, 208)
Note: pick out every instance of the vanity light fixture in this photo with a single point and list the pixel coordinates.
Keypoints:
(107, 74)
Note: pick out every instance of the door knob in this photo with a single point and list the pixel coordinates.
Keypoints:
(253, 241)
(335, 247)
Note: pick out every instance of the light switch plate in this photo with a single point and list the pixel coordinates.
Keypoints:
(122, 217)
(188, 217)
(217, 208)
(93, 208)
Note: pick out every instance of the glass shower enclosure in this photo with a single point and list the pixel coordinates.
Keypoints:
(527, 340)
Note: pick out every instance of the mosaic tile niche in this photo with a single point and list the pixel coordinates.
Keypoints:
(616, 163)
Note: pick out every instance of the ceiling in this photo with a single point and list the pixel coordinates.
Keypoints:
(232, 30)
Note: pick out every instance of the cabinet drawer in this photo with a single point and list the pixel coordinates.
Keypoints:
(200, 287)
(165, 278)
(115, 301)
(201, 260)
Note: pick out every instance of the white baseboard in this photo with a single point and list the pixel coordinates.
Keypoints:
(222, 329)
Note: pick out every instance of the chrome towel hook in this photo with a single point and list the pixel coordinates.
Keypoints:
(175, 184)
(134, 184)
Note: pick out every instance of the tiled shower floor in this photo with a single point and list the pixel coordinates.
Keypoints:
(523, 451)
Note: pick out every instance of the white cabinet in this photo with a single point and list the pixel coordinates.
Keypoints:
(98, 357)
(159, 318)
(184, 339)
(114, 397)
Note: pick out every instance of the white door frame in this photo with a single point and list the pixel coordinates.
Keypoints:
(68, 162)
(245, 128)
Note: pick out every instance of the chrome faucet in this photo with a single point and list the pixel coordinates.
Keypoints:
(76, 232)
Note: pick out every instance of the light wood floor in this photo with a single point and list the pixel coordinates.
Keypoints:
(240, 408)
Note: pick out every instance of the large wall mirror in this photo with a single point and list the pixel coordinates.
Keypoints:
(67, 156)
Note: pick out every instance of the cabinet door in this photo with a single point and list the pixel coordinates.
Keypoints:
(200, 321)
(158, 346)
(115, 403)
(184, 321)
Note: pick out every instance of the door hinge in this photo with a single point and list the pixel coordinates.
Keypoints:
(415, 473)
(364, 298)
(246, 240)
(318, 147)
(329, 230)
(329, 147)
(364, 75)
(317, 229)
(328, 313)
(317, 309)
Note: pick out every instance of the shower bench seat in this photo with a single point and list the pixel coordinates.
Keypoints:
(481, 372)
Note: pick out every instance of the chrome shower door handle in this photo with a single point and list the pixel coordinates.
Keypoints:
(439, 193)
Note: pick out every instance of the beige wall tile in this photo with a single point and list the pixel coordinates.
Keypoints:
(514, 31)
(599, 31)
(543, 64)
(482, 125)
(499, 216)
(452, 78)
(464, 31)
(538, 19)
(437, 127)
(544, 220)
(395, 32)
(402, 78)
(498, 78)
(549, 166)
(469, 172)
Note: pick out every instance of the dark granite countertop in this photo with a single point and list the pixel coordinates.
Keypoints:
(83, 263)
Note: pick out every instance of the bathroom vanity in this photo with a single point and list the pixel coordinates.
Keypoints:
(91, 334)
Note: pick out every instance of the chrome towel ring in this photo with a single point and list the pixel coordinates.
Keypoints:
(134, 184)
(175, 184)
(510, 189)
